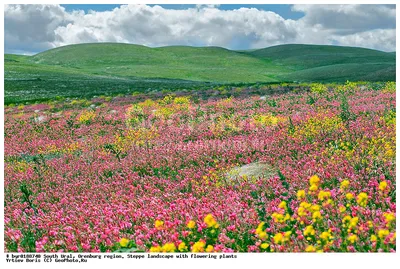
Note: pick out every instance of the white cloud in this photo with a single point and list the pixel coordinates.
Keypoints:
(349, 18)
(156, 26)
(383, 39)
(32, 27)
(39, 27)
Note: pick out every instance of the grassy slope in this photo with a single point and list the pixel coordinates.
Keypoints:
(191, 63)
(101, 68)
(330, 63)
(26, 80)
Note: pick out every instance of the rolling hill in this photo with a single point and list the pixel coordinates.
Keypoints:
(189, 63)
(330, 63)
(101, 68)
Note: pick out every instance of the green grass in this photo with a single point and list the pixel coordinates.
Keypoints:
(27, 81)
(310, 56)
(189, 63)
(344, 72)
(325, 63)
(85, 70)
(14, 58)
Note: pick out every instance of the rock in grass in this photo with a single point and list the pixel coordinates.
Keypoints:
(40, 119)
(251, 171)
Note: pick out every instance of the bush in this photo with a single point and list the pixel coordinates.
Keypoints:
(318, 88)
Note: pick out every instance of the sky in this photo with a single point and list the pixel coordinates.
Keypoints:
(30, 29)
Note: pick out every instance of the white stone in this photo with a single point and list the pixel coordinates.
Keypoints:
(251, 171)
(40, 119)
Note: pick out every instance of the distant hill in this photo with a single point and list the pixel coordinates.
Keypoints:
(330, 63)
(190, 63)
(311, 56)
(113, 67)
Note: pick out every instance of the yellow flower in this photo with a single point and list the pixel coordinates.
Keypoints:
(383, 233)
(282, 205)
(315, 208)
(191, 224)
(155, 249)
(344, 184)
(264, 245)
(305, 205)
(373, 238)
(362, 199)
(124, 242)
(86, 117)
(390, 153)
(346, 218)
(262, 235)
(287, 235)
(310, 249)
(278, 238)
(309, 230)
(326, 236)
(382, 185)
(210, 221)
(342, 209)
(158, 224)
(370, 224)
(352, 238)
(389, 217)
(314, 180)
(349, 196)
(277, 217)
(313, 187)
(316, 215)
(301, 194)
(353, 222)
(169, 247)
(322, 195)
(198, 246)
(209, 248)
(301, 211)
(329, 202)
(182, 247)
(260, 227)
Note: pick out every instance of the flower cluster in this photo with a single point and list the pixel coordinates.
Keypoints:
(138, 174)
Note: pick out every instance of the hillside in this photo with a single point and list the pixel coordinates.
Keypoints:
(329, 63)
(190, 63)
(110, 68)
(311, 56)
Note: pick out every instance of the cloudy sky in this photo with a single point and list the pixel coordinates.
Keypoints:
(34, 28)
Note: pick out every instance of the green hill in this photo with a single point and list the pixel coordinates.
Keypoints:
(190, 63)
(330, 63)
(311, 56)
(101, 68)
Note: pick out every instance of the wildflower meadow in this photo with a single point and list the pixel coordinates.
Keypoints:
(155, 174)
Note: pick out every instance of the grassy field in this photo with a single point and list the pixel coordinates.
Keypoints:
(87, 70)
(189, 63)
(330, 63)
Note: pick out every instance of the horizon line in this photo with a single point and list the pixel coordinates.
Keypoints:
(191, 46)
